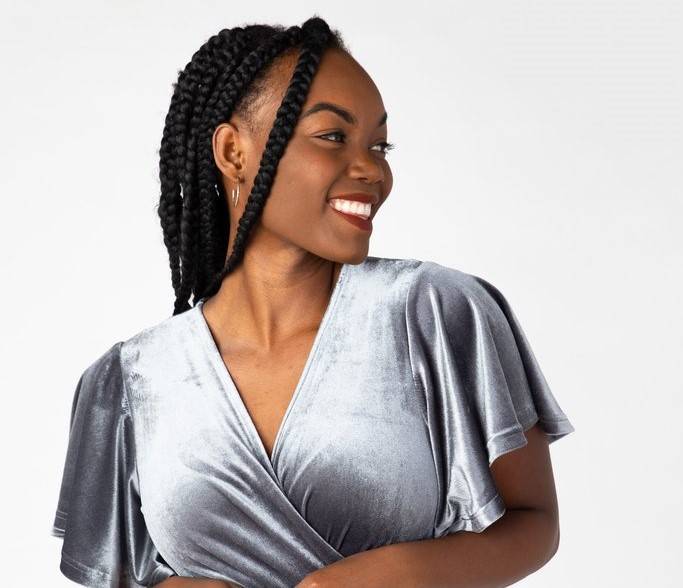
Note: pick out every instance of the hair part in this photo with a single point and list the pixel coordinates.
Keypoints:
(230, 74)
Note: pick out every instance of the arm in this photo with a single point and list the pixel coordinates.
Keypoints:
(523, 540)
(183, 582)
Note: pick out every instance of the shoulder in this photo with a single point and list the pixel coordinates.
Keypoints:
(439, 287)
(100, 386)
(105, 369)
(104, 377)
(429, 287)
(385, 271)
(156, 341)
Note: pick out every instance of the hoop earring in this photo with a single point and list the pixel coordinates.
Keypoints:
(236, 198)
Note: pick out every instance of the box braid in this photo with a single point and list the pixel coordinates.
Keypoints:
(227, 74)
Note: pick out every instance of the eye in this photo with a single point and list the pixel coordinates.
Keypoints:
(332, 133)
(386, 147)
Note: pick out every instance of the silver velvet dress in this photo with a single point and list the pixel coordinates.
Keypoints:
(419, 377)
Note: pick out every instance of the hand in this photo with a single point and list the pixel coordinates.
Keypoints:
(337, 575)
(183, 582)
(375, 568)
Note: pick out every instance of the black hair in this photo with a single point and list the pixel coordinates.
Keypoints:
(227, 75)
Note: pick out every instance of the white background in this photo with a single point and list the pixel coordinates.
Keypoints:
(538, 145)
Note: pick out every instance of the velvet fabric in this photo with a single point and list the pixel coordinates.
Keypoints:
(419, 377)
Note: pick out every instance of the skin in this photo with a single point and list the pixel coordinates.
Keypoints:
(266, 314)
(523, 540)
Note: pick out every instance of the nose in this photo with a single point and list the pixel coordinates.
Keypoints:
(366, 166)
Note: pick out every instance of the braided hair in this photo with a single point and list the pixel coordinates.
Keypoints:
(226, 75)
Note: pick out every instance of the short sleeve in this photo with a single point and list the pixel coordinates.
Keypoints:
(483, 386)
(105, 540)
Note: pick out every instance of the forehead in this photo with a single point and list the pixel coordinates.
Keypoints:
(339, 73)
(340, 79)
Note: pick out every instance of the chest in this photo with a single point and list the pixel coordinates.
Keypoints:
(345, 451)
(266, 383)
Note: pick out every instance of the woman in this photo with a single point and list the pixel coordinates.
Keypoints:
(319, 417)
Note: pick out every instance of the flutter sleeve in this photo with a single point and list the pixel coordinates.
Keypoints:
(483, 389)
(105, 540)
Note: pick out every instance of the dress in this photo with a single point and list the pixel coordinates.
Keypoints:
(419, 377)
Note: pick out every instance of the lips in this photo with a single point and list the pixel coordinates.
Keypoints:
(360, 222)
(360, 209)
(358, 197)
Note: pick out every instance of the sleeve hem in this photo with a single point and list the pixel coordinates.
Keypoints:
(160, 574)
(513, 439)
(482, 518)
(504, 443)
(59, 524)
(85, 575)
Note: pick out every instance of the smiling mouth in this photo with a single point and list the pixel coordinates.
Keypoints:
(360, 220)
(351, 207)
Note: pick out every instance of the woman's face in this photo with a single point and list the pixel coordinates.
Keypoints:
(330, 154)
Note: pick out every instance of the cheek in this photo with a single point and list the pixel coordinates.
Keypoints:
(388, 179)
(298, 195)
(305, 172)
(319, 163)
(388, 182)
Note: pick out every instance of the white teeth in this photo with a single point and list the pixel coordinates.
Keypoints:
(361, 209)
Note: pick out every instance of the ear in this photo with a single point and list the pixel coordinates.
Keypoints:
(229, 151)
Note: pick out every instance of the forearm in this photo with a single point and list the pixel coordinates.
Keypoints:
(513, 547)
(518, 544)
(183, 582)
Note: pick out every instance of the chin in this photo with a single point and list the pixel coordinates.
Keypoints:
(354, 258)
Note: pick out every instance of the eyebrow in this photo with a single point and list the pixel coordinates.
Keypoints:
(339, 111)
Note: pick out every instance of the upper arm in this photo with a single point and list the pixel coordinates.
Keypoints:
(99, 515)
(524, 477)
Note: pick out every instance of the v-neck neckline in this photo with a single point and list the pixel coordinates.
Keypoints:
(230, 387)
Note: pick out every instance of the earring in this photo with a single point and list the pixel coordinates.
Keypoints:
(236, 198)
